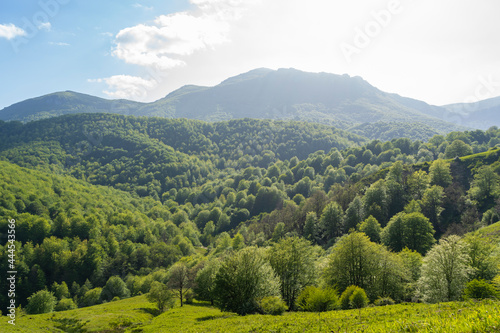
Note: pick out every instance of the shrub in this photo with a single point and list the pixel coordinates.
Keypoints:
(318, 300)
(302, 299)
(91, 297)
(273, 305)
(381, 301)
(345, 303)
(189, 296)
(358, 299)
(479, 289)
(496, 282)
(61, 290)
(114, 287)
(42, 301)
(65, 304)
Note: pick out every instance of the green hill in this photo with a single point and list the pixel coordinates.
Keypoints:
(61, 103)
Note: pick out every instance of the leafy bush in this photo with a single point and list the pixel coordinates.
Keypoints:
(65, 304)
(358, 299)
(302, 299)
(479, 289)
(273, 305)
(189, 296)
(91, 297)
(381, 301)
(42, 301)
(496, 282)
(318, 300)
(345, 302)
(204, 283)
(113, 288)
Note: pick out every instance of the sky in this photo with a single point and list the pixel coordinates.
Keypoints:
(441, 52)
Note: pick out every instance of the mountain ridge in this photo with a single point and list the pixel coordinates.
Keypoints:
(341, 101)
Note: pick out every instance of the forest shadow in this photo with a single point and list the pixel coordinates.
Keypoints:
(70, 325)
(151, 311)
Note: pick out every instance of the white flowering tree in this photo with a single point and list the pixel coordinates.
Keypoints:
(445, 271)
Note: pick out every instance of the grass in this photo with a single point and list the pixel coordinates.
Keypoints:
(490, 232)
(109, 317)
(137, 315)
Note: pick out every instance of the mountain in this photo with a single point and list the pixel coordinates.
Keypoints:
(67, 102)
(286, 94)
(482, 114)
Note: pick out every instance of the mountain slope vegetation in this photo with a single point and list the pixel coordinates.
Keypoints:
(194, 191)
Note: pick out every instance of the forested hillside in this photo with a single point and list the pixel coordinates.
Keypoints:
(106, 204)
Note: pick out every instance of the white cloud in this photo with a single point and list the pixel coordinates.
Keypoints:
(126, 86)
(172, 37)
(45, 26)
(425, 51)
(59, 44)
(10, 31)
(138, 5)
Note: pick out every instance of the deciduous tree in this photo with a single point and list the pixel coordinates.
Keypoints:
(445, 271)
(161, 295)
(243, 279)
(179, 279)
(293, 260)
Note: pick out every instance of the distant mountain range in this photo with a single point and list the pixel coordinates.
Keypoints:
(342, 101)
(482, 114)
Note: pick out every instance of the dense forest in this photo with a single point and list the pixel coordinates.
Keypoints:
(111, 206)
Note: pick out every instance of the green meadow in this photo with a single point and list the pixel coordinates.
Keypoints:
(136, 314)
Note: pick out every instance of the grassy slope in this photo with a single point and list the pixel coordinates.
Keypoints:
(111, 317)
(137, 315)
(491, 232)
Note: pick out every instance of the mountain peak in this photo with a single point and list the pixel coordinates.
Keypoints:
(253, 74)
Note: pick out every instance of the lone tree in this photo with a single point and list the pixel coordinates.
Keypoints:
(161, 295)
(243, 279)
(179, 279)
(42, 301)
